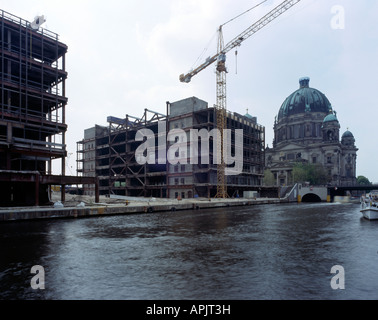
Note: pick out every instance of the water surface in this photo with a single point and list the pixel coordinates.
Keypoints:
(250, 252)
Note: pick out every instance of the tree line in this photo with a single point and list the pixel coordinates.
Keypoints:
(315, 174)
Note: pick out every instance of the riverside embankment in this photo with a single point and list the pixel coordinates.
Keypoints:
(79, 207)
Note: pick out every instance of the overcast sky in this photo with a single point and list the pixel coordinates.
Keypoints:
(125, 56)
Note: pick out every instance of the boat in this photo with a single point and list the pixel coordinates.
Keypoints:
(369, 205)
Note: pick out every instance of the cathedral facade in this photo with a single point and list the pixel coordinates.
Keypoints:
(307, 130)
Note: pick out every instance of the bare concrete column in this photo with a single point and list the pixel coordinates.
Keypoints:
(97, 191)
(9, 132)
(37, 189)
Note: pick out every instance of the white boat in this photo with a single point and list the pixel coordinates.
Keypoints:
(369, 205)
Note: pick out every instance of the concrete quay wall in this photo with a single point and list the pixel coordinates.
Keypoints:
(33, 213)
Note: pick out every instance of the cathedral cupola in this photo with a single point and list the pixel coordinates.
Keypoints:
(331, 128)
(347, 139)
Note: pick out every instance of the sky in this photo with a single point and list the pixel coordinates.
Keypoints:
(126, 55)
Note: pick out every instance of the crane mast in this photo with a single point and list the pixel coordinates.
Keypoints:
(220, 57)
(221, 116)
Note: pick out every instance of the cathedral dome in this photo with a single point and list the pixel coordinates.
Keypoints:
(347, 134)
(347, 139)
(303, 100)
(329, 118)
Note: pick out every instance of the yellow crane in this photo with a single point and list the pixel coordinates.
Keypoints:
(220, 57)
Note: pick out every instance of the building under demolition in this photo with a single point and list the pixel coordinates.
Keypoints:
(110, 153)
(32, 112)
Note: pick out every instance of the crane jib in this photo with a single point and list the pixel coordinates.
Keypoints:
(277, 11)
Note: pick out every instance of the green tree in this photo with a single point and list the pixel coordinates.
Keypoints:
(269, 178)
(312, 173)
(299, 173)
(363, 181)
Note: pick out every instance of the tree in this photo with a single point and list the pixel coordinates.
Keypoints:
(299, 173)
(363, 181)
(312, 173)
(269, 178)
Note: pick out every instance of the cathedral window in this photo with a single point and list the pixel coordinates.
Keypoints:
(296, 131)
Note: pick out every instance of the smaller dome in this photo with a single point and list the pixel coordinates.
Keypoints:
(330, 117)
(347, 134)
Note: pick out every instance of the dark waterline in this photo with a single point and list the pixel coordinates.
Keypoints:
(254, 252)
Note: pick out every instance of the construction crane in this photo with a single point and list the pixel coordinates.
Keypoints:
(220, 57)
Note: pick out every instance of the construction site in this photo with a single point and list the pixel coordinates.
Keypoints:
(33, 127)
(108, 152)
(32, 112)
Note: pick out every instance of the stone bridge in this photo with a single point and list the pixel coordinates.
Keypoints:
(305, 193)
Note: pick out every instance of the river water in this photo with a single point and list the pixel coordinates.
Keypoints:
(246, 253)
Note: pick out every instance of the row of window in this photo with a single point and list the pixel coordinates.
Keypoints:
(176, 168)
(183, 194)
(292, 156)
(182, 181)
(299, 131)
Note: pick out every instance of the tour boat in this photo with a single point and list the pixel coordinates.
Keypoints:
(369, 205)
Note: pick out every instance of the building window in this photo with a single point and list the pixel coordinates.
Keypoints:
(176, 195)
(182, 180)
(183, 168)
(176, 168)
(313, 159)
(176, 181)
(182, 195)
(296, 131)
(329, 159)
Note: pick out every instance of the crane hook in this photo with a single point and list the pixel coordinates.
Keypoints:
(236, 60)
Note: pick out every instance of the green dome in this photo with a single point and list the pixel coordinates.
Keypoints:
(329, 118)
(305, 99)
(347, 134)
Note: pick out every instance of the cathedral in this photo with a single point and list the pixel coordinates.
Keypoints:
(307, 130)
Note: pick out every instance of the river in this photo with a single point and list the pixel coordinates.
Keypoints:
(246, 253)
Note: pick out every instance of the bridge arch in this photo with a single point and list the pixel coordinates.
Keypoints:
(311, 197)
